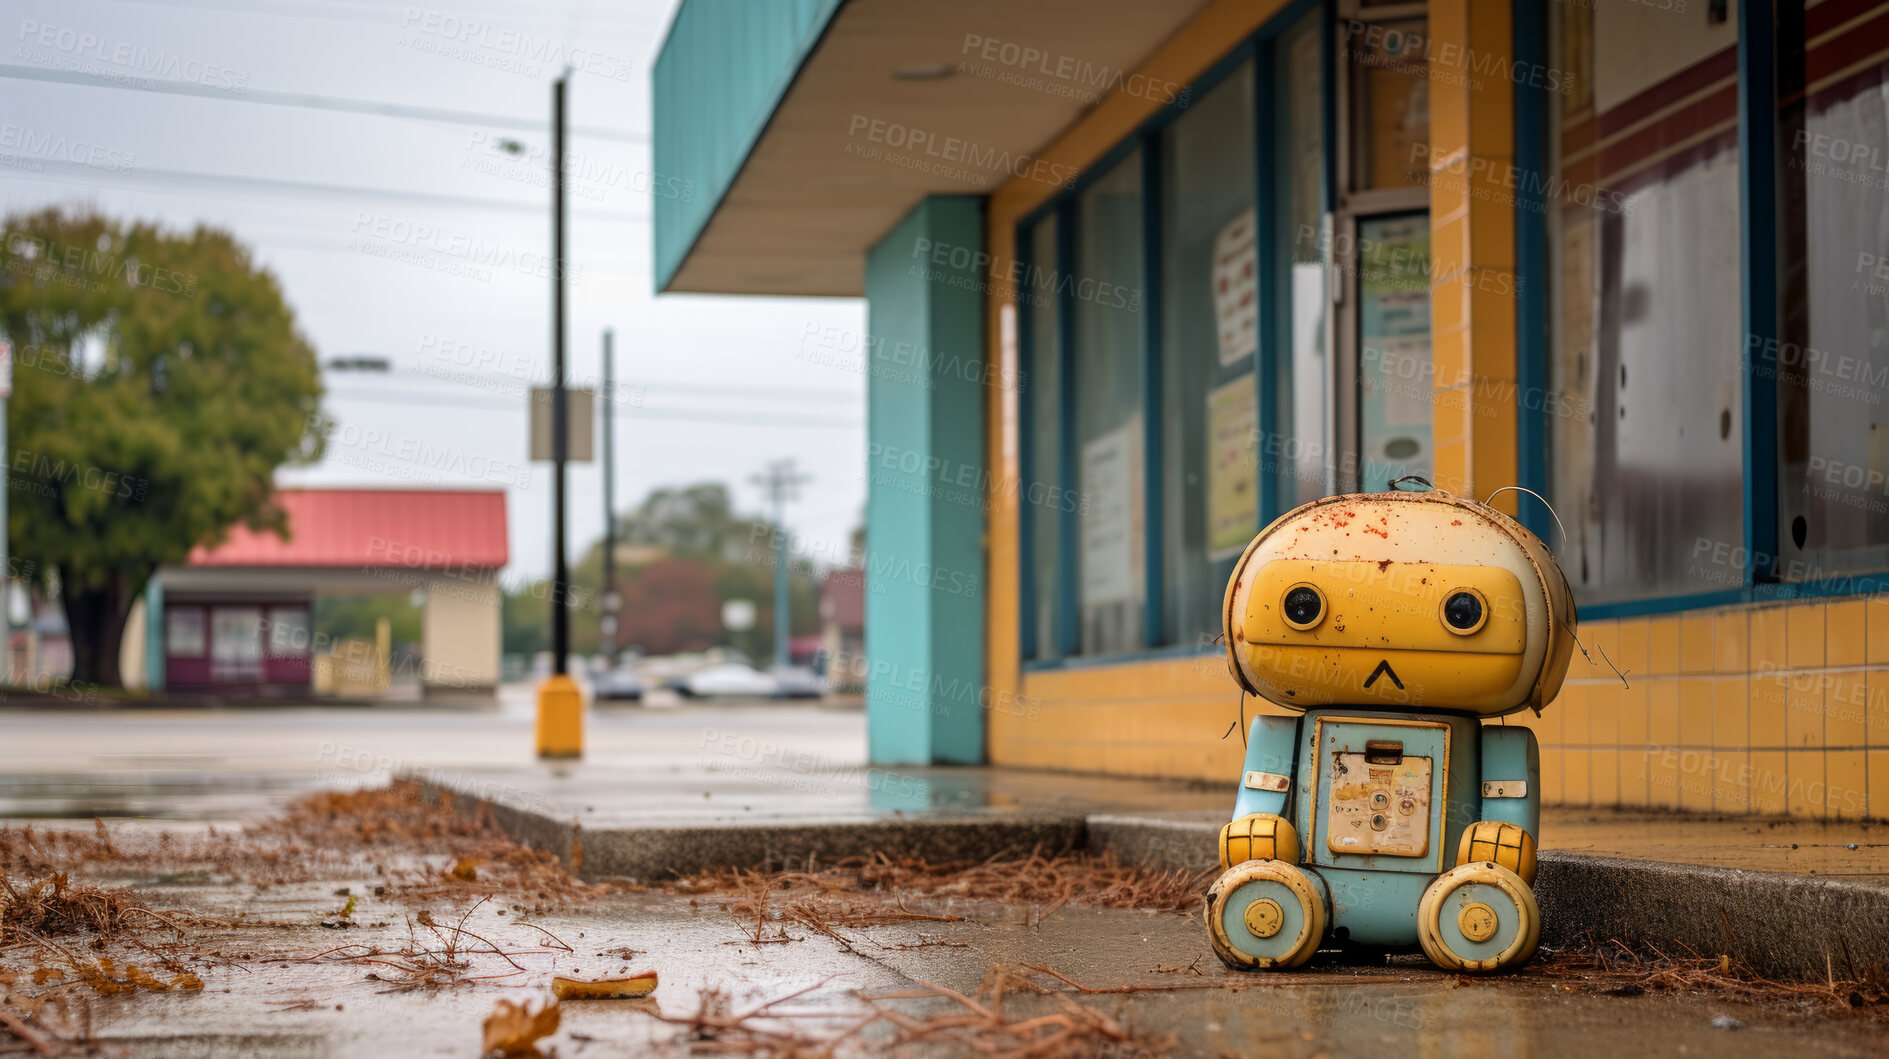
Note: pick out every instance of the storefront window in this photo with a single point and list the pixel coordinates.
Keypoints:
(235, 643)
(1645, 421)
(1832, 359)
(1300, 323)
(288, 632)
(1110, 568)
(1042, 491)
(183, 632)
(1210, 333)
(1146, 434)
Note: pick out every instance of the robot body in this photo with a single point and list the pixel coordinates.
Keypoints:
(1388, 814)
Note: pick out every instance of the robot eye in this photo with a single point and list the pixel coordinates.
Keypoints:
(1463, 612)
(1303, 606)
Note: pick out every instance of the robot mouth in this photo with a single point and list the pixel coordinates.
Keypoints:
(1384, 670)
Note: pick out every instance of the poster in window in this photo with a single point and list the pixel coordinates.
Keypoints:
(1236, 288)
(1232, 478)
(1111, 522)
(1396, 382)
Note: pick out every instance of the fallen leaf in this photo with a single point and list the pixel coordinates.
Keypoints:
(467, 869)
(513, 1030)
(608, 989)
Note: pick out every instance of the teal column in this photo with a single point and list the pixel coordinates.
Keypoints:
(925, 486)
(154, 634)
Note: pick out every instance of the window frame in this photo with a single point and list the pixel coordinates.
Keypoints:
(1258, 49)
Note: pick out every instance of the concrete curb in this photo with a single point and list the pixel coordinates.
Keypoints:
(661, 853)
(1782, 924)
(669, 852)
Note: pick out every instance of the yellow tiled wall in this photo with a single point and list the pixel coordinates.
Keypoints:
(1773, 709)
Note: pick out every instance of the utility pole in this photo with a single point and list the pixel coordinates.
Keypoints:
(560, 398)
(612, 602)
(782, 483)
(560, 730)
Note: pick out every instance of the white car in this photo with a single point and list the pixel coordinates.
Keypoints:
(728, 678)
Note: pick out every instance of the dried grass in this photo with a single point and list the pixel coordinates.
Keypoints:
(54, 906)
(447, 960)
(1618, 969)
(1048, 881)
(420, 846)
(982, 1022)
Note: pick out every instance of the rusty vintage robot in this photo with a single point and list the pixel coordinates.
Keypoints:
(1388, 813)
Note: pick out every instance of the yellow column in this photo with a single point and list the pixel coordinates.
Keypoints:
(1473, 184)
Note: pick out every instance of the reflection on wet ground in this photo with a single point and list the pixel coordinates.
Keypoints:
(150, 794)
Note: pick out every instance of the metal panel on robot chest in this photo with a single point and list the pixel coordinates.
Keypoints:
(1381, 789)
(1379, 803)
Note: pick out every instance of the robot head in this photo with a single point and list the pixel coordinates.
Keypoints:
(1416, 600)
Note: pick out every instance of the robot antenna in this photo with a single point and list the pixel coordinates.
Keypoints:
(1538, 496)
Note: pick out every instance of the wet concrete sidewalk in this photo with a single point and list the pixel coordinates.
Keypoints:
(667, 790)
(279, 985)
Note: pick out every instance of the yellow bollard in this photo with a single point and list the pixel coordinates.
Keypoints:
(560, 718)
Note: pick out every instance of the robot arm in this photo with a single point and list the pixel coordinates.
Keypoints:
(1511, 802)
(1260, 830)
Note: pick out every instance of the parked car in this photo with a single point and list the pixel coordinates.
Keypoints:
(621, 684)
(796, 682)
(729, 679)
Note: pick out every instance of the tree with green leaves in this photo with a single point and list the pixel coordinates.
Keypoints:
(159, 381)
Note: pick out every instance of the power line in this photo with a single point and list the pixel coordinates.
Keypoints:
(309, 101)
(760, 393)
(271, 185)
(341, 12)
(585, 267)
(195, 183)
(687, 415)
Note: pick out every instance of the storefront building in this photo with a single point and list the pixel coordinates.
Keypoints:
(238, 617)
(1139, 281)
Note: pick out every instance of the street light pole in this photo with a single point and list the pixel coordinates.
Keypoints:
(560, 728)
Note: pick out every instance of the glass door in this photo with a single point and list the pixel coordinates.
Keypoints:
(1380, 247)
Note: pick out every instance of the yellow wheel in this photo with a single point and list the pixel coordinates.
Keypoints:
(1478, 918)
(1264, 914)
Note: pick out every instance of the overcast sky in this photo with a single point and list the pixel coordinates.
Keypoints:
(364, 218)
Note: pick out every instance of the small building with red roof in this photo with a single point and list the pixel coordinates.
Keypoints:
(238, 616)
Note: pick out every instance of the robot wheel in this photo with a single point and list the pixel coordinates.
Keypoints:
(1477, 918)
(1265, 914)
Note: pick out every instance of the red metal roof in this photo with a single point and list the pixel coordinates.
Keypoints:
(406, 528)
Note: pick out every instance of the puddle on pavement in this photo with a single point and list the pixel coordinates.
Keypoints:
(163, 795)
